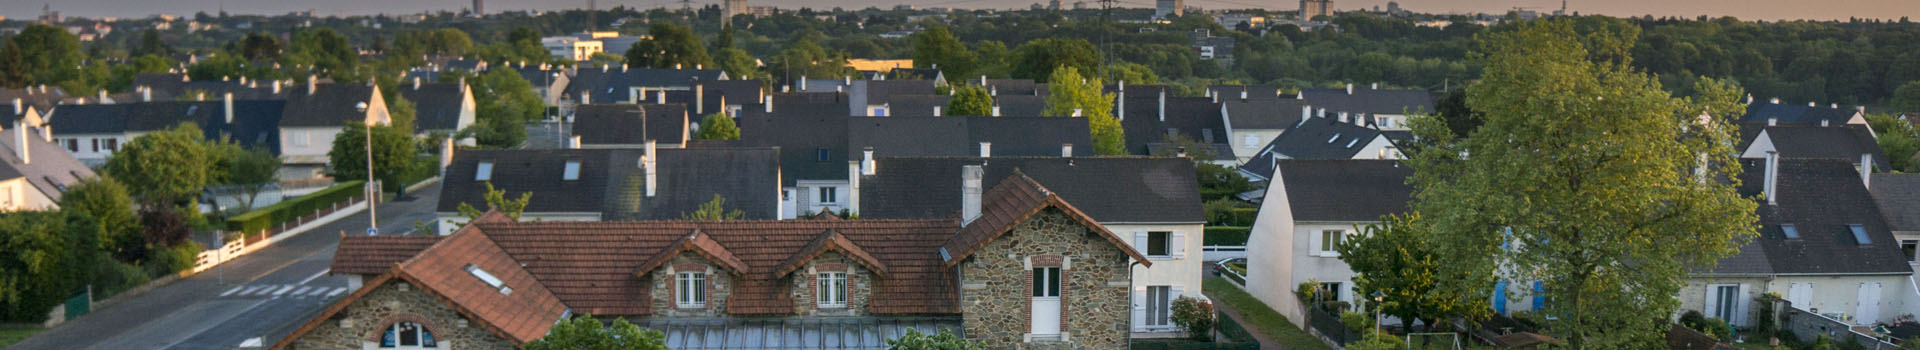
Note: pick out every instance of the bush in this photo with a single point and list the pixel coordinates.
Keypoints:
(914, 340)
(1378, 340)
(1306, 290)
(1227, 235)
(174, 259)
(1195, 316)
(274, 215)
(1356, 321)
(164, 225)
(115, 277)
(1719, 330)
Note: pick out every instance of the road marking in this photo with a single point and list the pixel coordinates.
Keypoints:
(337, 291)
(282, 290)
(252, 290)
(302, 290)
(318, 291)
(315, 276)
(231, 291)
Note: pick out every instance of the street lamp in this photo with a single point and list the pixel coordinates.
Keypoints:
(373, 194)
(1378, 298)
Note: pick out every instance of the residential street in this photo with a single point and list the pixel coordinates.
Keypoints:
(265, 294)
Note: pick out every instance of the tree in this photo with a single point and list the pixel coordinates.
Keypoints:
(163, 226)
(50, 54)
(808, 59)
(1906, 99)
(393, 151)
(737, 63)
(1132, 73)
(718, 126)
(1072, 93)
(506, 104)
(402, 112)
(324, 50)
(1898, 139)
(249, 172)
(217, 66)
(46, 258)
(669, 46)
(1586, 168)
(725, 40)
(165, 167)
(970, 100)
(714, 210)
(1452, 108)
(1039, 59)
(14, 72)
(151, 44)
(258, 46)
(1393, 258)
(914, 340)
(586, 333)
(497, 201)
(938, 48)
(107, 202)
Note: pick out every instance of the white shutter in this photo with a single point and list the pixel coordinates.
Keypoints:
(1713, 300)
(1140, 241)
(1740, 318)
(1313, 242)
(1178, 291)
(1139, 308)
(1178, 245)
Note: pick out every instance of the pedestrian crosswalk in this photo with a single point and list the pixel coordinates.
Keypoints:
(283, 291)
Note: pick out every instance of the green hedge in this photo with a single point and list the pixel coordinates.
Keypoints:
(1207, 194)
(422, 168)
(1227, 235)
(288, 210)
(1240, 217)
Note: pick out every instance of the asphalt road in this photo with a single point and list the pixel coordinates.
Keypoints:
(262, 295)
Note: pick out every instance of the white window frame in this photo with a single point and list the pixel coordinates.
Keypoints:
(827, 195)
(832, 290)
(1329, 242)
(690, 289)
(1251, 140)
(1159, 312)
(423, 339)
(1165, 235)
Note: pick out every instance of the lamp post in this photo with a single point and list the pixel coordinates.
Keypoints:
(373, 193)
(1378, 298)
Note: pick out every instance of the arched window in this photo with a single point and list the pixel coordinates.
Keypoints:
(407, 335)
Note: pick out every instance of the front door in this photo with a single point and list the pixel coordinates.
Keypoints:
(1727, 297)
(1869, 308)
(1046, 301)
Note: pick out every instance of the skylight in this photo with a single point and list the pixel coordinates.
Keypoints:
(488, 278)
(1350, 143)
(572, 172)
(1790, 231)
(484, 172)
(1859, 234)
(1336, 137)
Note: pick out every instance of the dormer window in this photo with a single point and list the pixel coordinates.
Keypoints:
(1859, 234)
(1790, 231)
(483, 172)
(572, 172)
(488, 278)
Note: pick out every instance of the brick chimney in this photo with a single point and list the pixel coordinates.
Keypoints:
(970, 191)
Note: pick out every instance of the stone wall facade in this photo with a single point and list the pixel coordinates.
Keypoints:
(806, 287)
(996, 295)
(362, 322)
(719, 287)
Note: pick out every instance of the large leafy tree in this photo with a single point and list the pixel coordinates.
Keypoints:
(393, 151)
(668, 46)
(718, 126)
(249, 172)
(1583, 177)
(938, 48)
(324, 50)
(48, 55)
(165, 167)
(970, 100)
(110, 206)
(586, 333)
(260, 45)
(48, 256)
(507, 103)
(1898, 139)
(1393, 258)
(1073, 92)
(1906, 98)
(1039, 59)
(809, 59)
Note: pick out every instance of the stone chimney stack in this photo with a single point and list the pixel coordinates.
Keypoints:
(970, 192)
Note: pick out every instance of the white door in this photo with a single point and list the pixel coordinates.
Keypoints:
(1869, 308)
(1723, 301)
(1801, 295)
(1046, 301)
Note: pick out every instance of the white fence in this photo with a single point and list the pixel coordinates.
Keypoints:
(1218, 252)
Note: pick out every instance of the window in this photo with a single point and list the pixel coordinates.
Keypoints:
(299, 138)
(73, 145)
(1251, 140)
(407, 335)
(483, 172)
(1159, 243)
(1726, 297)
(1046, 282)
(488, 278)
(96, 144)
(572, 172)
(690, 289)
(821, 154)
(1909, 246)
(829, 195)
(833, 289)
(1790, 231)
(1330, 239)
(1332, 290)
(1859, 234)
(113, 145)
(1336, 137)
(879, 111)
(1159, 306)
(1386, 123)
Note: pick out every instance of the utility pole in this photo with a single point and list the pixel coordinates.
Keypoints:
(1106, 36)
(591, 13)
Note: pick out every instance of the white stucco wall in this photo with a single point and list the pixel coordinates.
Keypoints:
(1311, 264)
(1244, 151)
(1270, 254)
(1183, 270)
(1828, 295)
(92, 148)
(305, 144)
(1378, 148)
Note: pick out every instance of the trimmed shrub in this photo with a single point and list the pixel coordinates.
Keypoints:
(1378, 340)
(1227, 235)
(115, 277)
(288, 210)
(173, 260)
(1356, 321)
(1195, 316)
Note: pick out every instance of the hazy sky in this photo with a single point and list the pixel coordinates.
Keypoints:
(1744, 9)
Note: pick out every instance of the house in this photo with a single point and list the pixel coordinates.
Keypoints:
(1321, 138)
(609, 84)
(798, 104)
(177, 86)
(1772, 113)
(735, 95)
(1153, 122)
(813, 158)
(869, 98)
(1384, 109)
(1852, 142)
(613, 184)
(1152, 203)
(1252, 123)
(34, 172)
(631, 126)
(92, 133)
(1022, 268)
(314, 116)
(1311, 206)
(444, 108)
(1823, 244)
(1898, 196)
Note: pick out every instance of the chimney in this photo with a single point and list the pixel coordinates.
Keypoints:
(1775, 100)
(586, 97)
(1812, 104)
(848, 78)
(1076, 112)
(1066, 150)
(1349, 89)
(1772, 185)
(983, 80)
(1343, 117)
(1306, 112)
(970, 176)
(1163, 105)
(573, 142)
(416, 83)
(1376, 85)
(650, 161)
(311, 81)
(1834, 106)
(1823, 123)
(17, 108)
(1180, 151)
(20, 139)
(1300, 95)
(936, 111)
(1866, 169)
(1749, 98)
(700, 99)
(446, 152)
(986, 149)
(226, 104)
(146, 93)
(803, 82)
(276, 90)
(101, 96)
(1243, 94)
(623, 67)
(1773, 121)
(996, 111)
(1120, 102)
(866, 162)
(660, 97)
(769, 103)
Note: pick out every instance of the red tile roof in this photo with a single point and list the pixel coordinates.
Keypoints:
(831, 240)
(1010, 203)
(374, 255)
(697, 243)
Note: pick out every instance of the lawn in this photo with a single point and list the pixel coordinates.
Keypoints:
(8, 336)
(1258, 315)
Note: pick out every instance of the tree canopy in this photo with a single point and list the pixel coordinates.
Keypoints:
(969, 100)
(1039, 59)
(669, 46)
(1073, 92)
(586, 333)
(393, 152)
(1393, 258)
(165, 167)
(718, 126)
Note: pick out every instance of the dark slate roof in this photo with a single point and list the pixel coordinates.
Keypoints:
(612, 184)
(1020, 105)
(1197, 118)
(1108, 189)
(332, 106)
(1820, 197)
(737, 92)
(51, 168)
(1316, 138)
(255, 122)
(91, 119)
(804, 104)
(1263, 113)
(1840, 141)
(1789, 114)
(1221, 151)
(436, 106)
(1345, 190)
(917, 105)
(1012, 87)
(961, 136)
(800, 139)
(686, 97)
(1141, 123)
(1253, 92)
(611, 84)
(1899, 198)
(1371, 101)
(881, 92)
(622, 124)
(166, 87)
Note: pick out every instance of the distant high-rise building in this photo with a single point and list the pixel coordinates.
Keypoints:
(1053, 5)
(1080, 5)
(733, 8)
(479, 7)
(1315, 8)
(1165, 8)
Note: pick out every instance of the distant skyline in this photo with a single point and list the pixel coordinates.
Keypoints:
(1743, 9)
